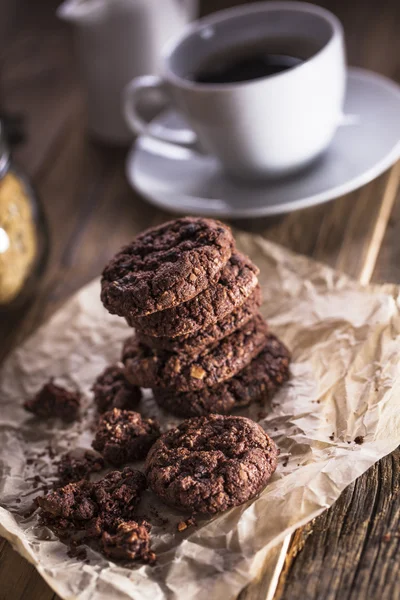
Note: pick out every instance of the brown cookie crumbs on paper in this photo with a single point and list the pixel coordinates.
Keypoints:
(131, 541)
(73, 467)
(101, 512)
(123, 436)
(54, 401)
(183, 525)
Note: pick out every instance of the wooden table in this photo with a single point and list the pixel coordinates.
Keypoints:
(352, 551)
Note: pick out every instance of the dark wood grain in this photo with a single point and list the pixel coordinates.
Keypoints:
(351, 551)
(19, 579)
(347, 552)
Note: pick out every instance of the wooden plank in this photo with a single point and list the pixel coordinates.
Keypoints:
(388, 263)
(351, 551)
(19, 579)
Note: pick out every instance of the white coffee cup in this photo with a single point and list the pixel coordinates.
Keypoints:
(263, 127)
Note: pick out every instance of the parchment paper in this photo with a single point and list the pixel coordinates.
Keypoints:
(344, 384)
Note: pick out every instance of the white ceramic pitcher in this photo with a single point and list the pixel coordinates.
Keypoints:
(117, 40)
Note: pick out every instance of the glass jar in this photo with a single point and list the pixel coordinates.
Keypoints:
(23, 234)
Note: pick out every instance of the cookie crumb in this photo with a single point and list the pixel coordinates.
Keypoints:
(183, 525)
(74, 467)
(131, 541)
(54, 401)
(155, 516)
(123, 436)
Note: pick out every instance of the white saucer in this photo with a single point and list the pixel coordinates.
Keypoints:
(182, 181)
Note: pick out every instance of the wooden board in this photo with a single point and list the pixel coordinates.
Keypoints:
(347, 552)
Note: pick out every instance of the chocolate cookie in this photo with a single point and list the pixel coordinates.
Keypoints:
(179, 372)
(54, 401)
(112, 498)
(193, 345)
(237, 282)
(112, 390)
(123, 436)
(166, 265)
(209, 464)
(257, 382)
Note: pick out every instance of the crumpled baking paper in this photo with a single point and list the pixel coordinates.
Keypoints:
(344, 386)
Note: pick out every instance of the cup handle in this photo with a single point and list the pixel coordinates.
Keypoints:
(139, 89)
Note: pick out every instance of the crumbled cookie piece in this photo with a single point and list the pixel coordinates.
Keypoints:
(123, 436)
(131, 541)
(165, 266)
(82, 511)
(183, 525)
(73, 502)
(209, 464)
(112, 390)
(74, 466)
(119, 493)
(54, 401)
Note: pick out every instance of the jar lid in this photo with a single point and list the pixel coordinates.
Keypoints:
(4, 152)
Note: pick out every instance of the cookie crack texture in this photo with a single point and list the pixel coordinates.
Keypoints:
(165, 266)
(179, 372)
(210, 464)
(257, 382)
(235, 285)
(194, 344)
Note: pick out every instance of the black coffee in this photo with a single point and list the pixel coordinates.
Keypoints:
(249, 62)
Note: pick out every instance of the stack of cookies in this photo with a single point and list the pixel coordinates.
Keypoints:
(200, 342)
